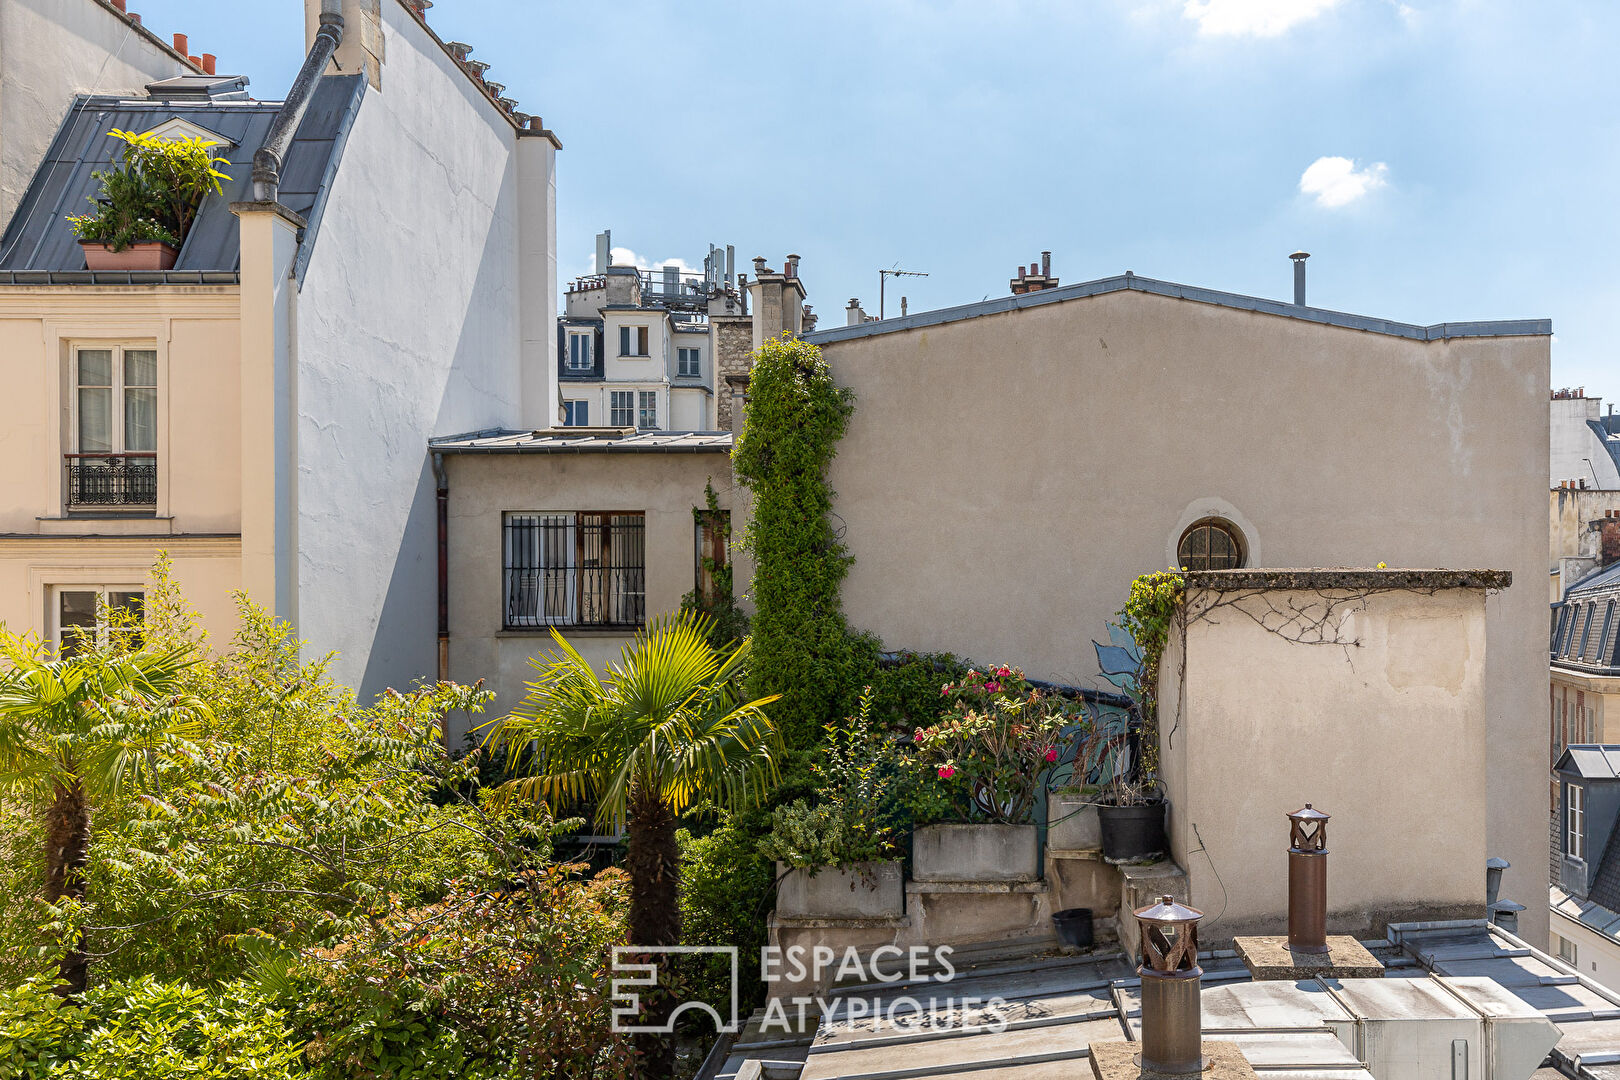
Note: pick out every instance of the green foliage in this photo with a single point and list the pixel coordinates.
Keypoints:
(726, 885)
(665, 719)
(39, 1029)
(153, 193)
(802, 648)
(859, 786)
(728, 623)
(1146, 616)
(905, 691)
(988, 758)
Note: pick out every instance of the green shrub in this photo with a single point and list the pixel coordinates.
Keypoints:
(39, 1029)
(726, 886)
(153, 192)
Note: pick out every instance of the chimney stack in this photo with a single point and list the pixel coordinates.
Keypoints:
(209, 60)
(1299, 258)
(1307, 881)
(1034, 277)
(1172, 984)
(1609, 542)
(181, 45)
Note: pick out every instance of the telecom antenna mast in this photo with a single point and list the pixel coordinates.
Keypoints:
(883, 280)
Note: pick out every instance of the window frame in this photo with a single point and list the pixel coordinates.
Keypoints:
(103, 592)
(1588, 610)
(681, 353)
(614, 408)
(647, 408)
(1233, 533)
(1572, 956)
(576, 412)
(580, 342)
(588, 572)
(1574, 822)
(118, 437)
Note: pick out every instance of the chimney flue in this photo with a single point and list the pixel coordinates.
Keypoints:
(1493, 878)
(1172, 982)
(1046, 264)
(181, 45)
(209, 60)
(1307, 880)
(1299, 258)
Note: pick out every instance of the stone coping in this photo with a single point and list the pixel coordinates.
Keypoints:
(839, 923)
(1117, 1061)
(976, 886)
(1316, 579)
(1270, 958)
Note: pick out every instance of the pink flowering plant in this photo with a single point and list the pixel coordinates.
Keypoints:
(988, 756)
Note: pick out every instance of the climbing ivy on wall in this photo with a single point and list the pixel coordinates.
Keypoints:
(802, 648)
(1147, 616)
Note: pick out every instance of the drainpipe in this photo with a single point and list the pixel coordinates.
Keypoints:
(442, 486)
(268, 159)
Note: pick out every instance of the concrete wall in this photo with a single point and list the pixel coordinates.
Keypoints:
(409, 326)
(1574, 545)
(1053, 453)
(1368, 704)
(667, 487)
(1577, 454)
(51, 50)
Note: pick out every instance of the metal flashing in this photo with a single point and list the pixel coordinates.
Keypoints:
(1129, 282)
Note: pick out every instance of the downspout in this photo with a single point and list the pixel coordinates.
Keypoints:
(442, 484)
(268, 159)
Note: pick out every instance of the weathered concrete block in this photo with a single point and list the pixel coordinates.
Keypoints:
(1072, 822)
(974, 853)
(1083, 883)
(873, 890)
(1118, 1061)
(1142, 886)
(965, 913)
(1270, 957)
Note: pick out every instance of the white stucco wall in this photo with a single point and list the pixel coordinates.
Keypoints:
(1576, 452)
(1597, 956)
(408, 327)
(49, 51)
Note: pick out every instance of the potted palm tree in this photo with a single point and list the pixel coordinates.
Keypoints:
(147, 203)
(839, 858)
(645, 740)
(977, 775)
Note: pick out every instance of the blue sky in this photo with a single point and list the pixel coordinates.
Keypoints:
(1440, 159)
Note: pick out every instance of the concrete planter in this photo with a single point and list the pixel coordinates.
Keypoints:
(1072, 821)
(974, 853)
(872, 890)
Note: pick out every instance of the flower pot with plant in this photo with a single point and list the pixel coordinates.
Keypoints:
(839, 857)
(977, 775)
(148, 202)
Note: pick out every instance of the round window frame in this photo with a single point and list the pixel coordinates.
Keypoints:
(1226, 525)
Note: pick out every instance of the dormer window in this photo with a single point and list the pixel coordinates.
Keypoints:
(1574, 821)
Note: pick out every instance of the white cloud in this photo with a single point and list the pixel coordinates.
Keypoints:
(1335, 181)
(622, 256)
(1252, 18)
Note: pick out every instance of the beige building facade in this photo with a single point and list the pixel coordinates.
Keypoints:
(1310, 437)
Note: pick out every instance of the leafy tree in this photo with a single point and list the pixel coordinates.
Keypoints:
(74, 732)
(659, 731)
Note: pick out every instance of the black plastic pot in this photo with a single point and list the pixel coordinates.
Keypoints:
(1073, 927)
(1132, 833)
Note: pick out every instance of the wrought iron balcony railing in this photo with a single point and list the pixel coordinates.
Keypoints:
(115, 481)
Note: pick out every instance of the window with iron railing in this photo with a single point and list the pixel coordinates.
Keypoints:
(575, 568)
(112, 462)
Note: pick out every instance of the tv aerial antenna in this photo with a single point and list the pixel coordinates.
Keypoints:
(883, 280)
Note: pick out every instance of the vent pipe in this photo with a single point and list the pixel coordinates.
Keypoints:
(1299, 258)
(1307, 880)
(269, 158)
(1493, 878)
(1172, 982)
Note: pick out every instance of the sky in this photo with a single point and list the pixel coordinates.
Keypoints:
(1442, 160)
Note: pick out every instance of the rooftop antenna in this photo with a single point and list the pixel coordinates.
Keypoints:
(883, 279)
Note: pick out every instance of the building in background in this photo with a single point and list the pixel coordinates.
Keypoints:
(1585, 892)
(261, 411)
(1585, 441)
(1098, 490)
(661, 349)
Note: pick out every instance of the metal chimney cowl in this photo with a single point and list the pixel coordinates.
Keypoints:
(1307, 880)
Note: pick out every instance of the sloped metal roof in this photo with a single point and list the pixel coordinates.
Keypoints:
(585, 441)
(1597, 581)
(38, 240)
(1590, 761)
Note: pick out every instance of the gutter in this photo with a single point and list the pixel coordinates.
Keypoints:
(712, 449)
(268, 159)
(442, 494)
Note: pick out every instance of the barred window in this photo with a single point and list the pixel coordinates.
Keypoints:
(1211, 544)
(580, 568)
